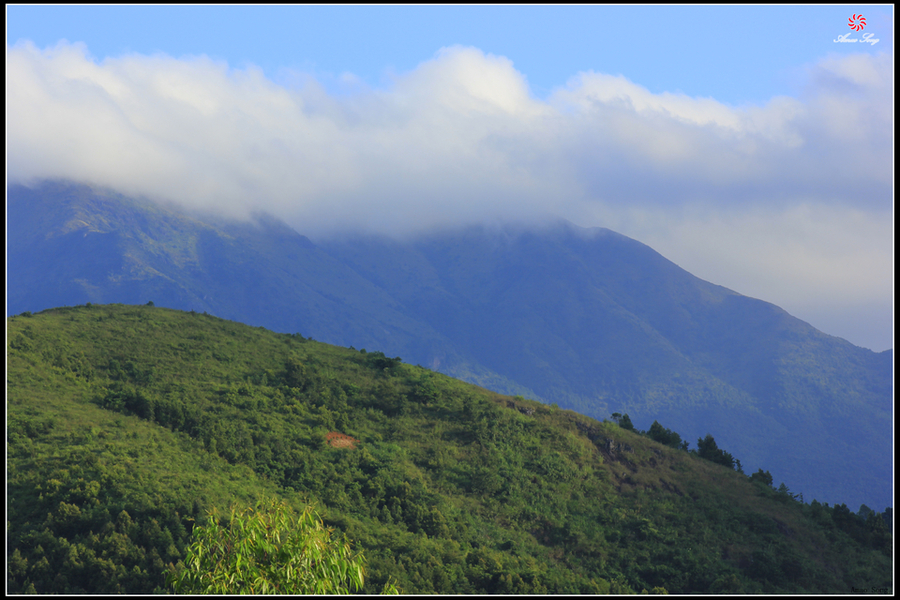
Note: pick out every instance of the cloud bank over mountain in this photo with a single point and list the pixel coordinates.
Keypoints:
(790, 201)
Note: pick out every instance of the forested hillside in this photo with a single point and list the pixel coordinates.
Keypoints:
(585, 318)
(127, 423)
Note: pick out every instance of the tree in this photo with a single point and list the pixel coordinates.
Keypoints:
(623, 421)
(708, 449)
(665, 436)
(296, 373)
(865, 512)
(763, 477)
(268, 549)
(784, 493)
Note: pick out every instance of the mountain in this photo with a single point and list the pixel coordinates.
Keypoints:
(70, 244)
(585, 318)
(598, 322)
(127, 425)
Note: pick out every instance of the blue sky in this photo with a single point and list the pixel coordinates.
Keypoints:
(741, 142)
(736, 54)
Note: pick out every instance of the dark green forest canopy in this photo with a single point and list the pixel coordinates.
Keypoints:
(126, 424)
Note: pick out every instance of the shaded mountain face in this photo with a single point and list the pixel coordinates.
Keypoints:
(588, 319)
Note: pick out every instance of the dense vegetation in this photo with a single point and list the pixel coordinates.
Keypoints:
(586, 318)
(127, 424)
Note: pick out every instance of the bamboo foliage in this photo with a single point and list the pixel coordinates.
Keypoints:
(268, 549)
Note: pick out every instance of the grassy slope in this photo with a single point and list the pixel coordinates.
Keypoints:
(452, 489)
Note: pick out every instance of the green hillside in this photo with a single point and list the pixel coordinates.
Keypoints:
(71, 244)
(126, 424)
(585, 318)
(598, 322)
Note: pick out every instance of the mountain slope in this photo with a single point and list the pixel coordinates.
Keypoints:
(70, 244)
(127, 422)
(599, 323)
(588, 319)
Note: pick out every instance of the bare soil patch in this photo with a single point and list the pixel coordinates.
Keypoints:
(339, 440)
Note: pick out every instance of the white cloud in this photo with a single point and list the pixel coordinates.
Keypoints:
(794, 194)
(795, 253)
